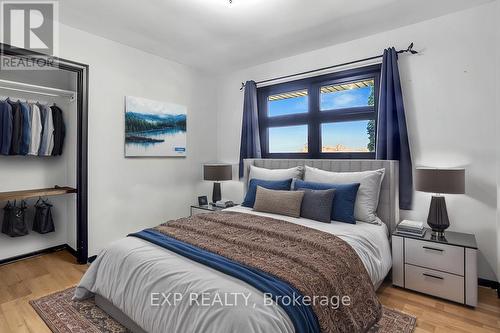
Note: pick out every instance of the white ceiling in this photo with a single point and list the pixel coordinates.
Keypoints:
(214, 35)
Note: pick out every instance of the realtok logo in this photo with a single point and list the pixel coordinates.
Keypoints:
(30, 25)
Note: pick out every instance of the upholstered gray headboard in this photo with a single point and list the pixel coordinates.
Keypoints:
(388, 207)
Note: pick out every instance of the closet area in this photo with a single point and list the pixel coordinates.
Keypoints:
(43, 160)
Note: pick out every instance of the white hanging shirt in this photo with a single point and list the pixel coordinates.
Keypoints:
(36, 130)
(47, 143)
(50, 145)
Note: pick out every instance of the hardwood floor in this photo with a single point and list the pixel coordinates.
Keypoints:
(36, 277)
(435, 315)
(31, 279)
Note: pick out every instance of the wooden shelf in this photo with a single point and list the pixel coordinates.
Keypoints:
(41, 192)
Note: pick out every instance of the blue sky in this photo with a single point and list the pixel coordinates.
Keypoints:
(351, 134)
(288, 106)
(292, 139)
(345, 99)
(287, 139)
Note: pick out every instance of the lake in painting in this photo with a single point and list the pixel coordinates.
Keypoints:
(154, 128)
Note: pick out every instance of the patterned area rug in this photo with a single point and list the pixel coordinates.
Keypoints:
(62, 315)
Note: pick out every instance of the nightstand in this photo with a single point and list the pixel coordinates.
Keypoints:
(445, 268)
(196, 209)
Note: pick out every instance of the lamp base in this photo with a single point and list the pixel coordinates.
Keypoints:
(216, 193)
(438, 216)
(437, 234)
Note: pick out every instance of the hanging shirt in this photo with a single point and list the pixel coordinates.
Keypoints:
(1, 123)
(43, 116)
(6, 130)
(50, 145)
(59, 130)
(17, 128)
(26, 129)
(47, 143)
(36, 130)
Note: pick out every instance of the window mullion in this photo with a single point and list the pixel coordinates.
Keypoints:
(332, 118)
(314, 121)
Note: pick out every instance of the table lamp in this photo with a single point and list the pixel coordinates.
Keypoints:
(217, 172)
(439, 181)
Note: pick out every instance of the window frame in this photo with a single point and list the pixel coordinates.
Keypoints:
(315, 117)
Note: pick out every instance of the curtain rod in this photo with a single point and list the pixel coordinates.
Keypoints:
(409, 49)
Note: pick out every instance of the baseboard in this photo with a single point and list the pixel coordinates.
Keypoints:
(490, 284)
(34, 254)
(52, 249)
(71, 250)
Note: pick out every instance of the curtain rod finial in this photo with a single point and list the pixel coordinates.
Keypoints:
(242, 86)
(410, 49)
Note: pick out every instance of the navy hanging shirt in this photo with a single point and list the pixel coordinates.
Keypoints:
(6, 131)
(26, 129)
(17, 128)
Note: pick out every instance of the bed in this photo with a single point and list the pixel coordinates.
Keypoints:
(125, 273)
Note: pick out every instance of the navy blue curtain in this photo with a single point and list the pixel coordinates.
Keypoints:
(392, 135)
(250, 136)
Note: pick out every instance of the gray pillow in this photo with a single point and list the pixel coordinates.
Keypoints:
(278, 202)
(365, 208)
(317, 204)
(275, 174)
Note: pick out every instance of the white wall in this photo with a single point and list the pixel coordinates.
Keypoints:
(450, 106)
(127, 194)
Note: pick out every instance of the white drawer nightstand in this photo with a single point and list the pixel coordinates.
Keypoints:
(445, 268)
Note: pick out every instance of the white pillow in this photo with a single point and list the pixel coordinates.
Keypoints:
(366, 204)
(275, 174)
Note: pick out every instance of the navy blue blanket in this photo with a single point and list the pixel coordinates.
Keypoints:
(303, 318)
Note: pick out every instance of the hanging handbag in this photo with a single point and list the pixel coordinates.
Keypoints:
(43, 222)
(14, 220)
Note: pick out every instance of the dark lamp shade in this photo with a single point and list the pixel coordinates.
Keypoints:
(448, 181)
(217, 172)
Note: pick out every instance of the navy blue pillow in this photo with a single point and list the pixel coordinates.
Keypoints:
(343, 201)
(269, 184)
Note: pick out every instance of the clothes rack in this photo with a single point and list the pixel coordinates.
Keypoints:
(36, 89)
(25, 100)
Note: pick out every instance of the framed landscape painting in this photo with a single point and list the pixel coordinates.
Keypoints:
(154, 129)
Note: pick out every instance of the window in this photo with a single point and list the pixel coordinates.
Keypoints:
(328, 116)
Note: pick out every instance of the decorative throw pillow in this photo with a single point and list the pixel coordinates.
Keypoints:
(343, 200)
(269, 184)
(367, 198)
(278, 202)
(317, 204)
(275, 174)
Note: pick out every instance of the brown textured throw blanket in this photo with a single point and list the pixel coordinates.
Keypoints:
(314, 262)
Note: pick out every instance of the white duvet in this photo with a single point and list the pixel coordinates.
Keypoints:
(165, 292)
